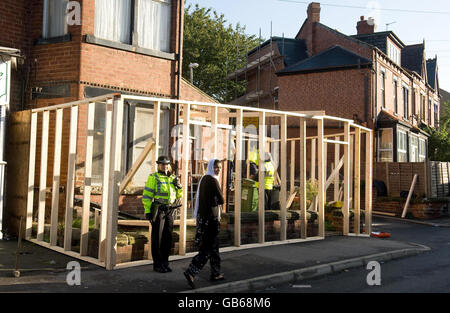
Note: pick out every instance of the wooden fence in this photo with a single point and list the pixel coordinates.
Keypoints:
(433, 178)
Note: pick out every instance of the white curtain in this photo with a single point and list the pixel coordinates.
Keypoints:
(154, 19)
(57, 25)
(113, 20)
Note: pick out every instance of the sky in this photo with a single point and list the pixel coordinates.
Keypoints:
(412, 21)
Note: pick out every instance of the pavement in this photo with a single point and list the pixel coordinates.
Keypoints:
(248, 270)
(436, 222)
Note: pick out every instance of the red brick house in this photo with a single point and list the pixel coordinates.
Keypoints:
(72, 50)
(371, 77)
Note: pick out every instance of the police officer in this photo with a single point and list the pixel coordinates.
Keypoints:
(162, 190)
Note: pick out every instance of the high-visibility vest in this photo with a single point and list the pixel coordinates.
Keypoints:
(269, 175)
(160, 187)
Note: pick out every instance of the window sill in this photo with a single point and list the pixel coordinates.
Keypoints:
(130, 48)
(53, 40)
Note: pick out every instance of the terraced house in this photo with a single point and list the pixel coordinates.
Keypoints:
(372, 77)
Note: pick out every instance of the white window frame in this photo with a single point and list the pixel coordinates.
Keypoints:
(383, 87)
(395, 86)
(379, 150)
(405, 132)
(422, 157)
(413, 139)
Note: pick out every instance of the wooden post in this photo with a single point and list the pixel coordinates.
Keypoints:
(71, 178)
(43, 176)
(411, 190)
(313, 158)
(262, 149)
(283, 170)
(337, 151)
(87, 179)
(56, 178)
(31, 172)
(238, 180)
(156, 127)
(352, 165)
(248, 158)
(292, 171)
(357, 184)
(321, 174)
(106, 187)
(185, 181)
(369, 177)
(214, 133)
(347, 166)
(114, 181)
(304, 220)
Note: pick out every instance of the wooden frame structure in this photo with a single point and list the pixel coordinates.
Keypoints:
(113, 184)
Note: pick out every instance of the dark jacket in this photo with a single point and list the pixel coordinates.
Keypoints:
(210, 195)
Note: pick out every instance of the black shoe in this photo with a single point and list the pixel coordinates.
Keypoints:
(190, 279)
(168, 269)
(160, 269)
(217, 277)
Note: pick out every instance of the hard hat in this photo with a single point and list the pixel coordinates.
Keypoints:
(267, 156)
(163, 160)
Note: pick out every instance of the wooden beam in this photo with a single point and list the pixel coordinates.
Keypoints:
(313, 158)
(185, 181)
(292, 168)
(334, 174)
(238, 180)
(283, 170)
(31, 172)
(411, 190)
(106, 187)
(368, 186)
(357, 184)
(262, 149)
(137, 164)
(337, 151)
(114, 181)
(71, 178)
(321, 178)
(87, 179)
(347, 166)
(43, 176)
(214, 133)
(156, 127)
(56, 178)
(302, 159)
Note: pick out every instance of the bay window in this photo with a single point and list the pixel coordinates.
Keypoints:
(385, 145)
(145, 23)
(422, 150)
(402, 146)
(54, 18)
(413, 148)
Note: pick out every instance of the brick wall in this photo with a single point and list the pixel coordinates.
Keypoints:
(339, 93)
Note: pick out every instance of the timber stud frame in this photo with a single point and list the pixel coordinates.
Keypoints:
(113, 184)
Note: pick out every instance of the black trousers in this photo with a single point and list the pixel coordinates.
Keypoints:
(208, 250)
(161, 251)
(267, 199)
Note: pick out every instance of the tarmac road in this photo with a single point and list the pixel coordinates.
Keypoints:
(424, 273)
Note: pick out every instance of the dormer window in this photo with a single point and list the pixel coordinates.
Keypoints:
(394, 52)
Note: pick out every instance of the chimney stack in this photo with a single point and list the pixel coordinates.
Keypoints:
(314, 12)
(365, 27)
